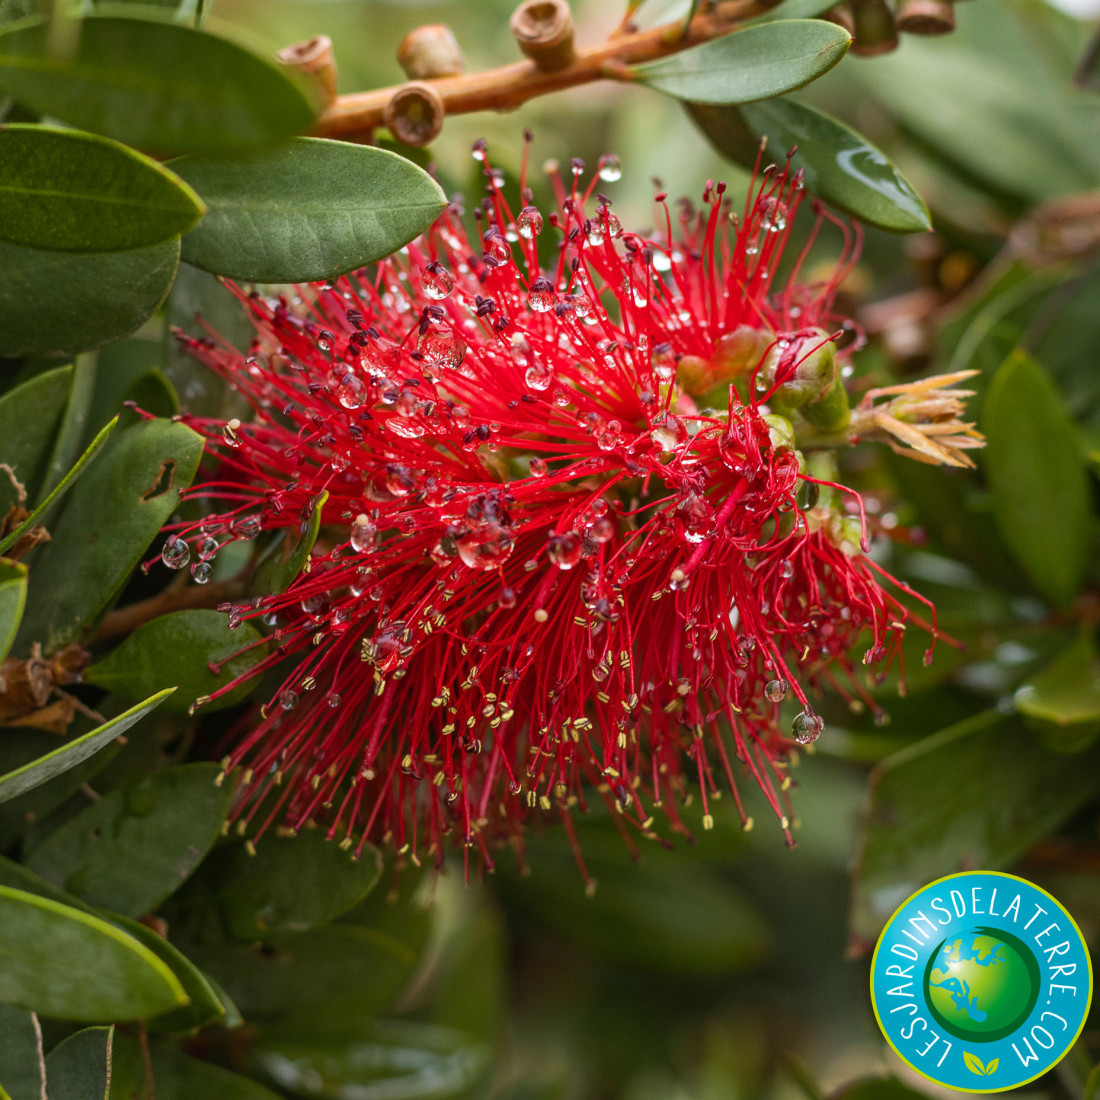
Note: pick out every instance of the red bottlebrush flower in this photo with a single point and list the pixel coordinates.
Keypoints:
(543, 569)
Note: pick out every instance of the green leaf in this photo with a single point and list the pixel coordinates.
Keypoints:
(157, 85)
(977, 794)
(75, 192)
(1062, 702)
(290, 884)
(30, 414)
(53, 304)
(309, 210)
(314, 983)
(1035, 467)
(413, 1060)
(279, 570)
(70, 434)
(22, 1066)
(136, 846)
(181, 1078)
(205, 1006)
(113, 514)
(1014, 127)
(13, 598)
(79, 1068)
(61, 488)
(840, 166)
(75, 752)
(759, 62)
(178, 648)
(61, 962)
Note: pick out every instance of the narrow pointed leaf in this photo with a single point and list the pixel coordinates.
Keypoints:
(77, 192)
(1035, 467)
(756, 63)
(279, 570)
(840, 166)
(157, 85)
(54, 303)
(309, 210)
(75, 752)
(61, 962)
(13, 598)
(61, 488)
(178, 648)
(137, 845)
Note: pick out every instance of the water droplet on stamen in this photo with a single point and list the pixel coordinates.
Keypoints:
(436, 281)
(610, 168)
(350, 392)
(806, 727)
(364, 534)
(541, 295)
(776, 690)
(529, 222)
(538, 376)
(230, 432)
(176, 553)
(201, 572)
(537, 467)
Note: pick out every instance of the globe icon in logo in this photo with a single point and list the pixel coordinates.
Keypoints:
(981, 984)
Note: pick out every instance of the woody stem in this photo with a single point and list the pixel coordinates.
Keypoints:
(357, 114)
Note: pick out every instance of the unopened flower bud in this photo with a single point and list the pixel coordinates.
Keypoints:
(415, 114)
(544, 31)
(925, 16)
(429, 52)
(780, 432)
(735, 355)
(314, 57)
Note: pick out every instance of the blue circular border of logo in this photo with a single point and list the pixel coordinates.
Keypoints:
(963, 904)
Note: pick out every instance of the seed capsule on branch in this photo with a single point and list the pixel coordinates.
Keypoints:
(545, 573)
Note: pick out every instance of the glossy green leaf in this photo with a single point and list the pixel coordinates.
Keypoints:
(76, 192)
(115, 511)
(840, 166)
(13, 598)
(280, 569)
(1035, 468)
(178, 649)
(30, 414)
(309, 210)
(136, 846)
(996, 792)
(205, 1004)
(79, 1067)
(412, 1060)
(758, 62)
(61, 488)
(75, 752)
(70, 433)
(1062, 702)
(22, 1065)
(61, 962)
(53, 303)
(157, 85)
(291, 884)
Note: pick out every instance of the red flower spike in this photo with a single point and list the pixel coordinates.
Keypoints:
(542, 567)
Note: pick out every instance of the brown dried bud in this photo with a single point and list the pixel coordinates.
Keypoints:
(544, 31)
(415, 114)
(429, 52)
(874, 28)
(841, 15)
(925, 16)
(314, 56)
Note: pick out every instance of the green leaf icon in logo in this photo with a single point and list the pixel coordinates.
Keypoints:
(974, 1064)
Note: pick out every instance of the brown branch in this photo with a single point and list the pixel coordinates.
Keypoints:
(125, 620)
(357, 114)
